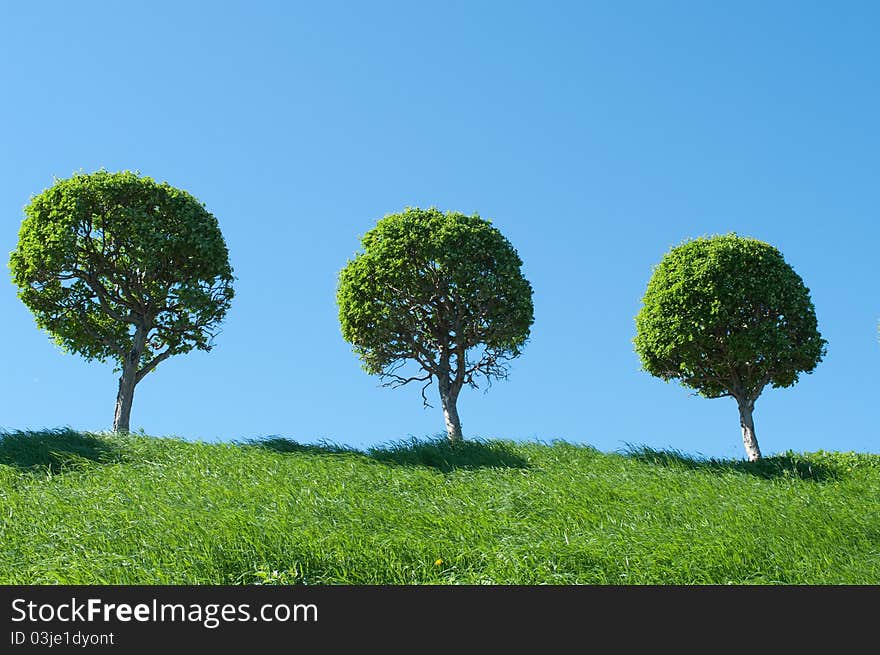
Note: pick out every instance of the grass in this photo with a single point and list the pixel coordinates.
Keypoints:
(102, 509)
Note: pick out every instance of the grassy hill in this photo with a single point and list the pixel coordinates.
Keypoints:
(87, 508)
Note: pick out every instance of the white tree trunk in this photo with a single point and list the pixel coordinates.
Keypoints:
(747, 423)
(448, 399)
(125, 395)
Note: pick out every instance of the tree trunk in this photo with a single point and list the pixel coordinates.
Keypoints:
(127, 382)
(124, 399)
(448, 399)
(750, 441)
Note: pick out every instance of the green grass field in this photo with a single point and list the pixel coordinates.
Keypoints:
(101, 509)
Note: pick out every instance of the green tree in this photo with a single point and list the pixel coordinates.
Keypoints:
(440, 292)
(116, 266)
(726, 316)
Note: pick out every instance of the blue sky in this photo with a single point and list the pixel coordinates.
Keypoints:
(595, 135)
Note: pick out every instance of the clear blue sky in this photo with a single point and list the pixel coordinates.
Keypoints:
(596, 135)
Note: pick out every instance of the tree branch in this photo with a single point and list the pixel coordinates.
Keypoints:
(103, 338)
(398, 381)
(153, 363)
(104, 298)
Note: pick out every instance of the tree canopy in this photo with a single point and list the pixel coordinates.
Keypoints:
(117, 266)
(441, 290)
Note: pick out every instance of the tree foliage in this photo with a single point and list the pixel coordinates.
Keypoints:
(726, 315)
(106, 260)
(442, 290)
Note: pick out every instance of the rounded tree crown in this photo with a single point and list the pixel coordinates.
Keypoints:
(726, 315)
(100, 252)
(428, 280)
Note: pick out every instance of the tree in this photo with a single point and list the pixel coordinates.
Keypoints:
(439, 291)
(726, 316)
(117, 266)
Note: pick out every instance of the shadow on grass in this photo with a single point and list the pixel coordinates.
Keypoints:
(54, 450)
(789, 465)
(434, 453)
(284, 445)
(440, 454)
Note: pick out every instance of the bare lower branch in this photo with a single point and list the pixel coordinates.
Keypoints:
(395, 381)
(425, 386)
(492, 364)
(153, 363)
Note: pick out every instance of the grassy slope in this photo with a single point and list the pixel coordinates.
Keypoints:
(78, 508)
